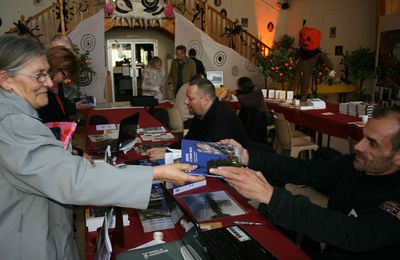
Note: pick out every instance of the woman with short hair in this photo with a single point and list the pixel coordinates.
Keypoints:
(39, 180)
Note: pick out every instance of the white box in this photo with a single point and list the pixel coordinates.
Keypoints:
(271, 93)
(289, 95)
(264, 92)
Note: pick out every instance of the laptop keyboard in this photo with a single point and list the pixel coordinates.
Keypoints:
(221, 244)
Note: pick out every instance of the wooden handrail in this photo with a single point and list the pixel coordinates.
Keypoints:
(64, 15)
(209, 20)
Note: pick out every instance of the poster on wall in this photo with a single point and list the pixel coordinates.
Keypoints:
(388, 67)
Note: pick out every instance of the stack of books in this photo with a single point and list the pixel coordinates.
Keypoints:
(366, 109)
(353, 107)
(344, 108)
(161, 213)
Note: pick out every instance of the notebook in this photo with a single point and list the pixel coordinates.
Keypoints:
(126, 134)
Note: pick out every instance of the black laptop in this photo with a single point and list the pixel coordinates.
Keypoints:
(230, 242)
(126, 134)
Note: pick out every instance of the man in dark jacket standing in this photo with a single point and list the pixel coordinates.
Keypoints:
(362, 220)
(199, 65)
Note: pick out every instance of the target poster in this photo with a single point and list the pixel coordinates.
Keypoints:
(215, 56)
(89, 36)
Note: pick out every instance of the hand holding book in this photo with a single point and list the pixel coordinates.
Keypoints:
(174, 173)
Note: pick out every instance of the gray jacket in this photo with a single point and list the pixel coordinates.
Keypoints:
(39, 181)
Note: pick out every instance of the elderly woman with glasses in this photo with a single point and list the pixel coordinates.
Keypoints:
(63, 65)
(39, 180)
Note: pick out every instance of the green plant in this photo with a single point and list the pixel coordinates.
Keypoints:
(84, 63)
(361, 64)
(280, 62)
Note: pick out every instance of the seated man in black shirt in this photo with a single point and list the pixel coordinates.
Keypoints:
(213, 120)
(362, 220)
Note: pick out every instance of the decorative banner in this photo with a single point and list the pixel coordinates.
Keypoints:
(215, 56)
(145, 12)
(89, 36)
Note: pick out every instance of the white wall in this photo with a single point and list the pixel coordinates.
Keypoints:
(11, 11)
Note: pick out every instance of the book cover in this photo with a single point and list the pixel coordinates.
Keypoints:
(207, 155)
(67, 129)
(95, 217)
(103, 246)
(161, 213)
(212, 205)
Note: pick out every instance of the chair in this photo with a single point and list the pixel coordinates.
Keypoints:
(295, 133)
(293, 145)
(175, 120)
(161, 114)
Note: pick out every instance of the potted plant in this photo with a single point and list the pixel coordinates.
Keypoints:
(361, 64)
(280, 62)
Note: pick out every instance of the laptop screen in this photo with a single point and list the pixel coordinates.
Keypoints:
(127, 129)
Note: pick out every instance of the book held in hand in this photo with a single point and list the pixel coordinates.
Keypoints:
(208, 155)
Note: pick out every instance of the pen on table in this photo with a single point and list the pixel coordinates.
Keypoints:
(247, 223)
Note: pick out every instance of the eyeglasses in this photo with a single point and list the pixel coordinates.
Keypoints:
(65, 75)
(41, 77)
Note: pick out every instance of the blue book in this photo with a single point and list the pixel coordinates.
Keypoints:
(207, 155)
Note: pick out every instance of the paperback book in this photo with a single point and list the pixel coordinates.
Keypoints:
(207, 155)
(212, 205)
(103, 246)
(95, 218)
(161, 213)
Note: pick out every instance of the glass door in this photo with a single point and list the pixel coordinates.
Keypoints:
(126, 61)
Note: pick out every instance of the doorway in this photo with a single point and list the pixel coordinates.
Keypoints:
(126, 61)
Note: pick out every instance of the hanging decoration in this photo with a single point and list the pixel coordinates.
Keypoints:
(232, 30)
(145, 12)
(22, 28)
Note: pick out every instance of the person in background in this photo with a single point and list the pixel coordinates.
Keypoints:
(154, 79)
(180, 103)
(39, 180)
(250, 95)
(213, 120)
(254, 113)
(70, 106)
(362, 219)
(182, 69)
(199, 65)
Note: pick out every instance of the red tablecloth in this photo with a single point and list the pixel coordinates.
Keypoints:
(266, 234)
(114, 116)
(333, 125)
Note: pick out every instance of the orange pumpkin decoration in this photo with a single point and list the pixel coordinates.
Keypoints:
(309, 38)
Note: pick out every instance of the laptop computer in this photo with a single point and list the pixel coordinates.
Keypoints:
(126, 134)
(230, 242)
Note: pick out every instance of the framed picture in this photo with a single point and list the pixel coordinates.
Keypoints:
(338, 50)
(332, 32)
(37, 2)
(270, 27)
(244, 22)
(217, 3)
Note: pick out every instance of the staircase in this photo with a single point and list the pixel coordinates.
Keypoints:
(64, 15)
